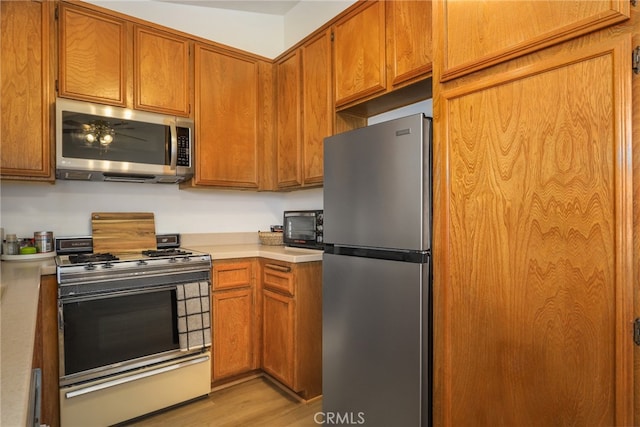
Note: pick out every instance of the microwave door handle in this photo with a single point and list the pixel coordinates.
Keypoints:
(174, 145)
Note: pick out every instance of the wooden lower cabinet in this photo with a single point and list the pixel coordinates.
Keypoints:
(292, 325)
(234, 319)
(45, 354)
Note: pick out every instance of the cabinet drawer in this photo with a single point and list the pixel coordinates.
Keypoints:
(231, 275)
(278, 278)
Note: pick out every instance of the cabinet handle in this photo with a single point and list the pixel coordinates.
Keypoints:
(277, 267)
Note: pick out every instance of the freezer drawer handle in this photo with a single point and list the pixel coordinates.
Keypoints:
(277, 267)
(135, 377)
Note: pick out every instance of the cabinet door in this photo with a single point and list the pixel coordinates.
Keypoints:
(278, 334)
(408, 28)
(480, 34)
(317, 105)
(232, 320)
(289, 140)
(161, 72)
(26, 90)
(227, 116)
(359, 53)
(93, 56)
(533, 241)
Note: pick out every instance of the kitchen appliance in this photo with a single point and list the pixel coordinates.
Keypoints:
(102, 143)
(304, 229)
(129, 343)
(376, 274)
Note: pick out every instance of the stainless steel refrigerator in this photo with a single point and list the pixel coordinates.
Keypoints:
(376, 275)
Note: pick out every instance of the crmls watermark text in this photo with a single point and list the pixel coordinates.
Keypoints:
(341, 418)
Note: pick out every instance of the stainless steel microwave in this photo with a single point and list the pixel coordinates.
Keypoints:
(304, 229)
(97, 142)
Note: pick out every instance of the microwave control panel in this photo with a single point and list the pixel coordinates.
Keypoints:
(183, 147)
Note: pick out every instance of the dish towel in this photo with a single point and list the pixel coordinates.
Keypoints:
(194, 325)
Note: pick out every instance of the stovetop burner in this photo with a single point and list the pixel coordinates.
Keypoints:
(165, 252)
(84, 258)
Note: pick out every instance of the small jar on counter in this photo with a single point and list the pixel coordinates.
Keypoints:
(43, 241)
(12, 247)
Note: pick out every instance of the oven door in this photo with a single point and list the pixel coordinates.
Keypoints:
(106, 334)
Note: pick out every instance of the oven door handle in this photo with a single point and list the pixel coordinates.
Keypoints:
(135, 377)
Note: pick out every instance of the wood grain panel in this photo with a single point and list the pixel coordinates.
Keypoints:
(317, 105)
(93, 56)
(409, 50)
(278, 350)
(122, 232)
(289, 126)
(233, 332)
(227, 113)
(161, 72)
(25, 112)
(476, 37)
(536, 268)
(359, 53)
(228, 275)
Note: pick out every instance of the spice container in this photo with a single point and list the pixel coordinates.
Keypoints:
(43, 241)
(12, 246)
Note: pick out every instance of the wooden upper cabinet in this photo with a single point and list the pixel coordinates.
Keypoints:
(409, 51)
(228, 111)
(289, 122)
(359, 53)
(26, 92)
(475, 35)
(161, 72)
(304, 111)
(93, 56)
(317, 105)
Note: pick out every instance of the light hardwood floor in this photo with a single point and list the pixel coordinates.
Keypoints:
(257, 402)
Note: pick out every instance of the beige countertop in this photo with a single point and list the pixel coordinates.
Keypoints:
(19, 290)
(280, 253)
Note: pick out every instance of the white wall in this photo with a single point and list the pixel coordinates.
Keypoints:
(310, 14)
(65, 208)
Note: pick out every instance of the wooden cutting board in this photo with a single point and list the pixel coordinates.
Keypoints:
(123, 232)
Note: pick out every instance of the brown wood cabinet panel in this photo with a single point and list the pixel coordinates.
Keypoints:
(359, 53)
(45, 354)
(26, 91)
(161, 72)
(233, 332)
(289, 124)
(93, 56)
(278, 277)
(409, 51)
(227, 275)
(228, 117)
(292, 324)
(480, 34)
(317, 105)
(533, 238)
(278, 331)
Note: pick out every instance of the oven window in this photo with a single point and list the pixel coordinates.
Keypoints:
(301, 227)
(104, 331)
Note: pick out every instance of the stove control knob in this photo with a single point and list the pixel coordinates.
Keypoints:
(107, 265)
(90, 266)
(142, 262)
(186, 259)
(172, 260)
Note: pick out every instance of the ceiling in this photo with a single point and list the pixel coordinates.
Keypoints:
(270, 7)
